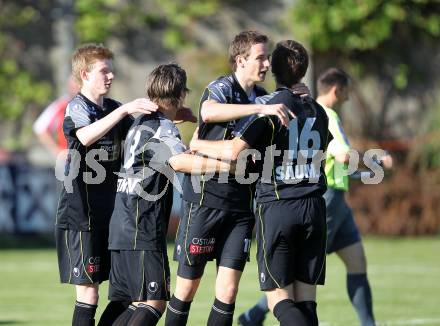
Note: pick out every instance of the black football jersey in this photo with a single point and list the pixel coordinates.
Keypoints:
(221, 191)
(145, 185)
(87, 196)
(290, 165)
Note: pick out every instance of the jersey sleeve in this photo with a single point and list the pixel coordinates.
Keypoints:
(250, 129)
(263, 99)
(219, 91)
(77, 116)
(165, 143)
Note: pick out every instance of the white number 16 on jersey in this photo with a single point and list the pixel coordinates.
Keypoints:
(308, 142)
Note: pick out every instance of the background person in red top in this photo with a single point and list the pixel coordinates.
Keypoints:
(49, 124)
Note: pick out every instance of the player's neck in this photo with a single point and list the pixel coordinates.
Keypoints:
(169, 113)
(245, 83)
(93, 96)
(326, 101)
(277, 86)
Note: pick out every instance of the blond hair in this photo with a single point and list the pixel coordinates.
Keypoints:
(85, 56)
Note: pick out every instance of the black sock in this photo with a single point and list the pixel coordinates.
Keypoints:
(222, 314)
(144, 315)
(123, 318)
(359, 292)
(84, 314)
(289, 315)
(177, 312)
(112, 312)
(308, 308)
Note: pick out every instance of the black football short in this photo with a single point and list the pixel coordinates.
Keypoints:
(342, 230)
(291, 242)
(83, 257)
(139, 275)
(206, 234)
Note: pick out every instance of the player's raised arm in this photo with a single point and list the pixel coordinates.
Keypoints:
(91, 133)
(232, 97)
(212, 111)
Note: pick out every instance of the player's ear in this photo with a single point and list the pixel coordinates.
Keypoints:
(239, 61)
(334, 90)
(83, 73)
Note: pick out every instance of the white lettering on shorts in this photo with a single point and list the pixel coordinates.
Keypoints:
(93, 265)
(201, 246)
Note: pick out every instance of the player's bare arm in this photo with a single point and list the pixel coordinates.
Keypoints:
(47, 140)
(216, 149)
(212, 148)
(223, 149)
(195, 164)
(90, 134)
(385, 161)
(213, 111)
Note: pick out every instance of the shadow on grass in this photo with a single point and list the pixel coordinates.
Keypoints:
(11, 322)
(26, 241)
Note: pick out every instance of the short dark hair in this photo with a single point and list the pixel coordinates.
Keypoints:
(242, 43)
(166, 84)
(332, 77)
(289, 62)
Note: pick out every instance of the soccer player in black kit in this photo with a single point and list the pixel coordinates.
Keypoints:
(291, 225)
(153, 151)
(94, 127)
(217, 217)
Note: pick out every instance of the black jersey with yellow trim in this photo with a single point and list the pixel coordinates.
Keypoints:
(291, 158)
(221, 192)
(88, 203)
(145, 185)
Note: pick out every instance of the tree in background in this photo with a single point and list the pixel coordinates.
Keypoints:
(392, 48)
(21, 90)
(99, 20)
(146, 31)
(394, 42)
(195, 33)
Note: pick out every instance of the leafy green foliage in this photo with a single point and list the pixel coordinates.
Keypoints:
(19, 87)
(349, 25)
(97, 20)
(377, 37)
(389, 42)
(19, 90)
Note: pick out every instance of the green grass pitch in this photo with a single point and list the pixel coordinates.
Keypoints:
(404, 275)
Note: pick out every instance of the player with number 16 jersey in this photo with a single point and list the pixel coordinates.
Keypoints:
(291, 226)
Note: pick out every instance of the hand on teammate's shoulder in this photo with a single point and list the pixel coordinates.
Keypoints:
(140, 105)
